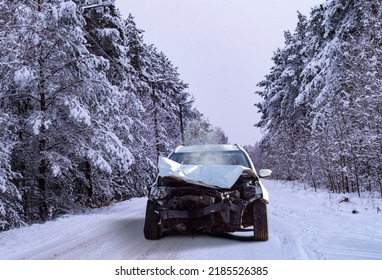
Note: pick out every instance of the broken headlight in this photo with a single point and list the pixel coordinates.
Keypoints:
(252, 191)
(159, 192)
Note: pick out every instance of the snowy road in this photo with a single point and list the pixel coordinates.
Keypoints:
(303, 225)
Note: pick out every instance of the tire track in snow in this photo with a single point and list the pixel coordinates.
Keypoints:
(288, 239)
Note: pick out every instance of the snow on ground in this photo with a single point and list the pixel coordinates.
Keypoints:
(303, 225)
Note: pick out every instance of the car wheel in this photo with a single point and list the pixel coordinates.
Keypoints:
(152, 229)
(260, 221)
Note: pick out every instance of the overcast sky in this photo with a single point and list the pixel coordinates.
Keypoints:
(222, 49)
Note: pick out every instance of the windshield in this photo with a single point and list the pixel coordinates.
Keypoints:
(212, 158)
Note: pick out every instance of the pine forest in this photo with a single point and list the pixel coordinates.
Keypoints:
(86, 108)
(322, 100)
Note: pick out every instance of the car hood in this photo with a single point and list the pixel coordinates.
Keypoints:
(222, 176)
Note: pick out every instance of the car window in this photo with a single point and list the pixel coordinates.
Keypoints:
(211, 158)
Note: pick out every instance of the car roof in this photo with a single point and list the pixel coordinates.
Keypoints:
(207, 148)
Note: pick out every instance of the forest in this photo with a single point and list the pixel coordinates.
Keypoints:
(322, 100)
(86, 108)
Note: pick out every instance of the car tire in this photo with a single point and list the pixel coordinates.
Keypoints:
(260, 221)
(152, 230)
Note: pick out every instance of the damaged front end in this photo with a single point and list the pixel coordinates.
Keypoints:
(190, 208)
(186, 207)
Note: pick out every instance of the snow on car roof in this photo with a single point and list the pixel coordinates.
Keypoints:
(206, 148)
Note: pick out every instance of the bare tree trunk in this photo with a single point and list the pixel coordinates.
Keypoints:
(39, 5)
(89, 178)
(156, 125)
(43, 207)
(181, 123)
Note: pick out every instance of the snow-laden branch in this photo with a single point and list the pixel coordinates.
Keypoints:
(97, 5)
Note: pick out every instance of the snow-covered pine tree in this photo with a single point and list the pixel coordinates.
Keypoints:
(64, 103)
(347, 109)
(106, 37)
(138, 56)
(11, 212)
(10, 198)
(285, 122)
(200, 131)
(161, 91)
(78, 91)
(169, 101)
(337, 100)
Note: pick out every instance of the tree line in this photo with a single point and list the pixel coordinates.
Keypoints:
(322, 99)
(86, 108)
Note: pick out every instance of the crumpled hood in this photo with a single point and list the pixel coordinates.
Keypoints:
(222, 176)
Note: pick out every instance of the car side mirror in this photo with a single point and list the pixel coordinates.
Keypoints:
(265, 173)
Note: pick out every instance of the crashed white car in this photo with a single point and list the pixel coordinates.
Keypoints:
(210, 189)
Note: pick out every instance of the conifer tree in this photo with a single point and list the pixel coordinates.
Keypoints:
(322, 99)
(66, 135)
(85, 108)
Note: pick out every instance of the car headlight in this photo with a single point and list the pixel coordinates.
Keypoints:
(159, 192)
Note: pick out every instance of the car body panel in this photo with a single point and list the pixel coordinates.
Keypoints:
(222, 176)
